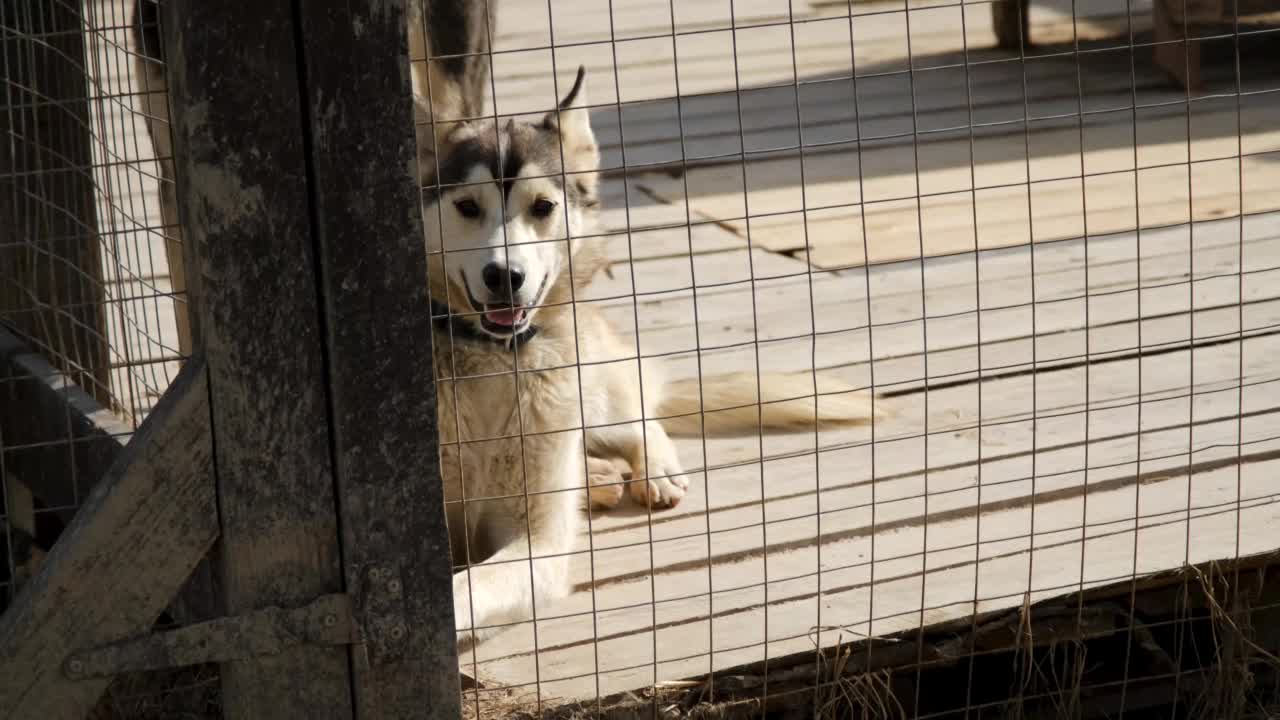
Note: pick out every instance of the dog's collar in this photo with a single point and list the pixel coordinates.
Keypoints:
(463, 329)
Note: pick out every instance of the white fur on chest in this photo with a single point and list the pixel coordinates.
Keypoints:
(515, 432)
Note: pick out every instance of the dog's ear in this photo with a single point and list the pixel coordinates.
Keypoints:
(434, 138)
(572, 120)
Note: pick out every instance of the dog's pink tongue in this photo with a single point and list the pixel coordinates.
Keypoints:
(504, 316)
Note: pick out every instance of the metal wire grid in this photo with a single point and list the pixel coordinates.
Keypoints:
(142, 358)
(95, 303)
(922, 384)
(146, 352)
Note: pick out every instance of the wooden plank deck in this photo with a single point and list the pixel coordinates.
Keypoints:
(1122, 422)
(944, 509)
(1107, 413)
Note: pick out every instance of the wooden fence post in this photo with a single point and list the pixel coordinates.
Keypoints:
(374, 262)
(241, 162)
(294, 155)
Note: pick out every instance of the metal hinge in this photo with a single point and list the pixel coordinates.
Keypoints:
(382, 610)
(325, 621)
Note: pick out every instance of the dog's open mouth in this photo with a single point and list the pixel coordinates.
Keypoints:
(505, 318)
(500, 319)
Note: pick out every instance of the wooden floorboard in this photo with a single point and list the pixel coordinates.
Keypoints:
(1126, 440)
(1150, 459)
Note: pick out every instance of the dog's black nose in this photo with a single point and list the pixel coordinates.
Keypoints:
(495, 277)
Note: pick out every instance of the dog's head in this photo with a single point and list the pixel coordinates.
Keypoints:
(502, 201)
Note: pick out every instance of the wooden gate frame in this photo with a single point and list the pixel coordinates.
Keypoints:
(302, 436)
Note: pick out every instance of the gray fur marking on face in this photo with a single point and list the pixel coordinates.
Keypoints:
(533, 149)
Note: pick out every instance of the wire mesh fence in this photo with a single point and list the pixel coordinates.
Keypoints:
(666, 288)
(83, 274)
(87, 313)
(1038, 259)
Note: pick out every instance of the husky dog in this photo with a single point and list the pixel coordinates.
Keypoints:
(537, 394)
(539, 398)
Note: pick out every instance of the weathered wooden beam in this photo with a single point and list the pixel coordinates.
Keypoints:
(1174, 52)
(201, 598)
(1009, 19)
(374, 266)
(149, 17)
(51, 285)
(59, 443)
(134, 541)
(241, 160)
(269, 631)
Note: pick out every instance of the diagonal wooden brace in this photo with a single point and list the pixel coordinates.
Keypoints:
(325, 621)
(137, 537)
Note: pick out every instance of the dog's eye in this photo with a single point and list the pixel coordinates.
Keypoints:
(542, 207)
(468, 208)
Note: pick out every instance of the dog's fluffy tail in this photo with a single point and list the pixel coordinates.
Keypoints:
(731, 406)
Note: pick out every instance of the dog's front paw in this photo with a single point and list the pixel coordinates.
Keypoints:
(665, 487)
